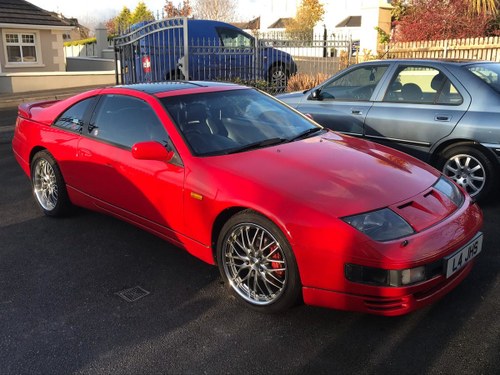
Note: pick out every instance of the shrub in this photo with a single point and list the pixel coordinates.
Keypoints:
(258, 84)
(80, 42)
(304, 81)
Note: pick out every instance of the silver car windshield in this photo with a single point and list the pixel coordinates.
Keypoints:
(233, 121)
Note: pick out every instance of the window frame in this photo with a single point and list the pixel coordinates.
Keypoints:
(20, 44)
(93, 100)
(437, 95)
(338, 77)
(222, 29)
(93, 116)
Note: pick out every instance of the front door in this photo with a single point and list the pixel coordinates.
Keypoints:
(342, 102)
(147, 192)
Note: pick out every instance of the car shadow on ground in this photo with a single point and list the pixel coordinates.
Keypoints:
(60, 314)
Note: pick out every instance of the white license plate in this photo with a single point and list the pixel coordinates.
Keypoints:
(460, 258)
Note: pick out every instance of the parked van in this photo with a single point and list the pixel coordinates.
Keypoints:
(215, 51)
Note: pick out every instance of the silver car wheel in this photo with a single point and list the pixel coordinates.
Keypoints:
(45, 185)
(278, 77)
(254, 264)
(466, 171)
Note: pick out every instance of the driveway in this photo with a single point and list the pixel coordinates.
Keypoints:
(59, 311)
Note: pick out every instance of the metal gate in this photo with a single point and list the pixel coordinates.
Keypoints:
(178, 48)
(152, 52)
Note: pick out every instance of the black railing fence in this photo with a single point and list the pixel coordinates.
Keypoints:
(165, 50)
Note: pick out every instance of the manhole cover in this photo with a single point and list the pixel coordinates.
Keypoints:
(133, 294)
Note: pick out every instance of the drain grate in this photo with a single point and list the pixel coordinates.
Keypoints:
(133, 294)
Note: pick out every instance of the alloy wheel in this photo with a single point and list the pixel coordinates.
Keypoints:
(45, 185)
(254, 264)
(466, 171)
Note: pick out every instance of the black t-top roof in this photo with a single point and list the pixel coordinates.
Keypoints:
(157, 87)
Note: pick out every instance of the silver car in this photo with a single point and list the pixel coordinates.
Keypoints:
(445, 113)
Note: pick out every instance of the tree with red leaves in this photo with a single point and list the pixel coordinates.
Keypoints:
(439, 19)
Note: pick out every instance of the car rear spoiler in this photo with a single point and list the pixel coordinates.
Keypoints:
(25, 109)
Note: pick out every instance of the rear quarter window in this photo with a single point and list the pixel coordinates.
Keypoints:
(488, 73)
(74, 117)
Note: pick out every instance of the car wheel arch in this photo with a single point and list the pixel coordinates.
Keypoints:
(34, 151)
(228, 213)
(452, 143)
(487, 168)
(48, 185)
(278, 296)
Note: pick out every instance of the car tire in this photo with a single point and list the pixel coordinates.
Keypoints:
(470, 168)
(49, 188)
(278, 77)
(257, 263)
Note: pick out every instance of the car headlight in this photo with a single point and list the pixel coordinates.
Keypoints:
(381, 225)
(448, 188)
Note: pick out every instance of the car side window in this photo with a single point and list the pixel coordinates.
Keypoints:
(125, 120)
(73, 118)
(233, 38)
(357, 84)
(422, 85)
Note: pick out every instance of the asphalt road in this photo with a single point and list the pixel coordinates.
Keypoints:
(59, 313)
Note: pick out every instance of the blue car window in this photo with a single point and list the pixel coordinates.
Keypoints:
(233, 38)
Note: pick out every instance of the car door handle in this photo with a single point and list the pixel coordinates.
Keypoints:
(444, 118)
(356, 111)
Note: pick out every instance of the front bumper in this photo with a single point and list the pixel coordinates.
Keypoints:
(388, 301)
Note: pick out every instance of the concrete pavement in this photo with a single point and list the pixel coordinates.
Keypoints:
(13, 100)
(9, 103)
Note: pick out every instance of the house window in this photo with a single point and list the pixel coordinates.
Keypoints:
(21, 47)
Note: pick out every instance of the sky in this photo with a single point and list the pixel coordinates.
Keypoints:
(91, 11)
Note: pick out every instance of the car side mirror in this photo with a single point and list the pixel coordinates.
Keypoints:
(151, 150)
(316, 94)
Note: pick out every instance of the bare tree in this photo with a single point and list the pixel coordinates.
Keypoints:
(220, 10)
(181, 10)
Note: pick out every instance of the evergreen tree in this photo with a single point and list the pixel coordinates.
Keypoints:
(141, 13)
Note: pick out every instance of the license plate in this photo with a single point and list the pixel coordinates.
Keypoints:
(461, 257)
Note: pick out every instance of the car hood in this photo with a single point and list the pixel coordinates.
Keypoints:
(292, 98)
(333, 173)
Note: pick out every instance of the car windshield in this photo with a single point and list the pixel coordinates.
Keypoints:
(233, 121)
(489, 73)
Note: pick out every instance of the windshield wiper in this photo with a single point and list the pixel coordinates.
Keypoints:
(305, 134)
(259, 144)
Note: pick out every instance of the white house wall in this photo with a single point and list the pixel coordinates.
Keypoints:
(335, 12)
(276, 9)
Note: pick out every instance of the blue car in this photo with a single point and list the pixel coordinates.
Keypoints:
(216, 51)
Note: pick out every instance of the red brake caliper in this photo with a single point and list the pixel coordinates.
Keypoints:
(277, 265)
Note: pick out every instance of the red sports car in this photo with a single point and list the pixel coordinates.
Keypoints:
(289, 211)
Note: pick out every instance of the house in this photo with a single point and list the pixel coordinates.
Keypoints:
(250, 27)
(31, 38)
(77, 33)
(355, 19)
(32, 51)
